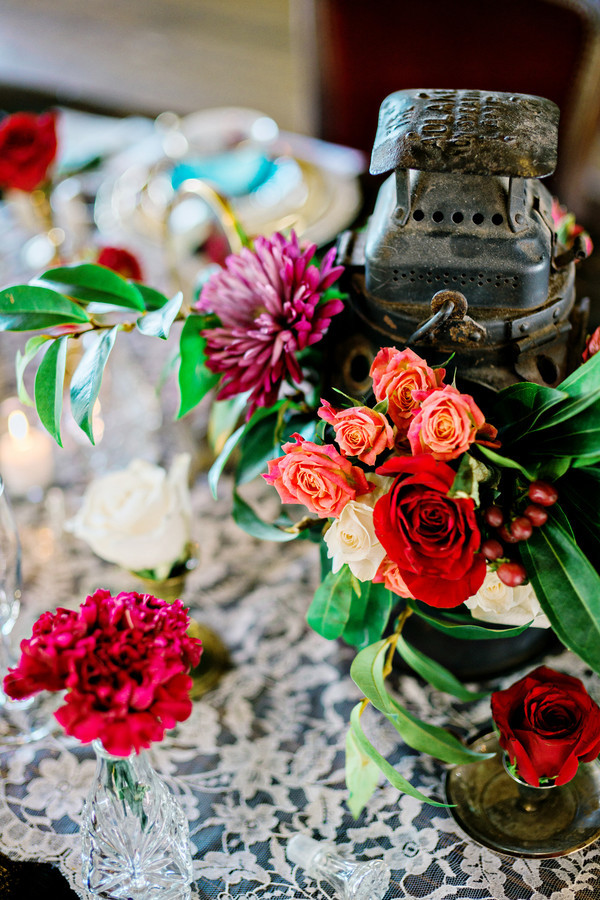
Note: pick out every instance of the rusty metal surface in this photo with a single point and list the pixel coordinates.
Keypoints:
(474, 132)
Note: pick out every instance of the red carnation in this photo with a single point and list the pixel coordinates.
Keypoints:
(548, 724)
(27, 149)
(432, 538)
(124, 662)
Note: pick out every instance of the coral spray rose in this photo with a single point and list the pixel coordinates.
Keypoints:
(317, 476)
(359, 431)
(432, 538)
(27, 149)
(396, 374)
(548, 724)
(446, 423)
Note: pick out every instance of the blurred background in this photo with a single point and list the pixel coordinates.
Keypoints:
(317, 67)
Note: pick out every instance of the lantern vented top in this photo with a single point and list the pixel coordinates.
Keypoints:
(464, 131)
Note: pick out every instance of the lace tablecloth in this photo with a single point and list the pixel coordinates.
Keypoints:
(262, 755)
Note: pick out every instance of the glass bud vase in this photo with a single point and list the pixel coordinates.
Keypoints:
(134, 834)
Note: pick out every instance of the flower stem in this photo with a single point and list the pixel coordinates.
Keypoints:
(393, 639)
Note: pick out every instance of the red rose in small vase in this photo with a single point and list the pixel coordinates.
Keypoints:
(27, 149)
(548, 724)
(433, 538)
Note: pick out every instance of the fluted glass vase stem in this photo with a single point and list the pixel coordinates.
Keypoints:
(134, 834)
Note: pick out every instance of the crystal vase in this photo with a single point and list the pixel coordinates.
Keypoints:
(134, 834)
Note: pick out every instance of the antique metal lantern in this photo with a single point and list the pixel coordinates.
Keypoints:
(461, 255)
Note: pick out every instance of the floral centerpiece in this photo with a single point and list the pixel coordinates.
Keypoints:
(425, 501)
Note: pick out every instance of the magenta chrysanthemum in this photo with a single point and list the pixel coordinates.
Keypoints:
(268, 303)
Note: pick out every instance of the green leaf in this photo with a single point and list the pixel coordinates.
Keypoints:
(49, 382)
(584, 379)
(394, 777)
(369, 615)
(330, 608)
(29, 307)
(362, 775)
(152, 299)
(567, 409)
(580, 498)
(258, 446)
(430, 739)
(217, 467)
(580, 435)
(367, 672)
(195, 380)
(581, 490)
(351, 400)
(95, 284)
(504, 462)
(568, 588)
(517, 408)
(462, 628)
(158, 323)
(553, 469)
(471, 472)
(382, 406)
(87, 379)
(261, 439)
(248, 521)
(585, 462)
(223, 418)
(438, 676)
(22, 360)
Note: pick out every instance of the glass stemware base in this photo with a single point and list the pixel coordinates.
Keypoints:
(215, 659)
(23, 721)
(515, 819)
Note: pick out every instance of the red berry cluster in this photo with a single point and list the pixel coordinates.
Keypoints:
(541, 494)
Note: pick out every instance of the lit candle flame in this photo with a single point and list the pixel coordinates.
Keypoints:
(18, 425)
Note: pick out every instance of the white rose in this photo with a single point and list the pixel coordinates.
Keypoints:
(351, 539)
(496, 602)
(138, 518)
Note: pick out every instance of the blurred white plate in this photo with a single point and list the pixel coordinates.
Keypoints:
(310, 186)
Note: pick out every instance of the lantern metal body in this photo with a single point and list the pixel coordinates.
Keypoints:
(461, 255)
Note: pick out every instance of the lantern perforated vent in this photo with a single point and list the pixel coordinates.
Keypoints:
(464, 279)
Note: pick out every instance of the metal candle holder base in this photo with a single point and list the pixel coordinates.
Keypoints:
(515, 819)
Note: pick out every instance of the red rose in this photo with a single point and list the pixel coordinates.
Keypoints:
(120, 261)
(27, 149)
(548, 724)
(433, 538)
